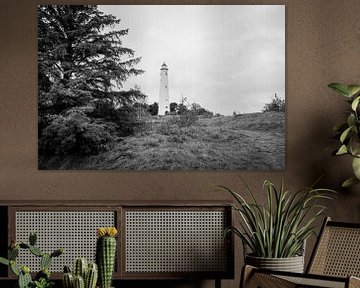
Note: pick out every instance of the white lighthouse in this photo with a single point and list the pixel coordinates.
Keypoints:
(164, 102)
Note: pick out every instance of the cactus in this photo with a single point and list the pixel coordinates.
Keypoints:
(36, 251)
(45, 261)
(24, 280)
(80, 267)
(68, 280)
(79, 282)
(91, 276)
(23, 273)
(57, 253)
(14, 268)
(88, 273)
(4, 261)
(105, 254)
(32, 238)
(13, 253)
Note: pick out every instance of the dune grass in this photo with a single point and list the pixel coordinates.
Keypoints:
(253, 141)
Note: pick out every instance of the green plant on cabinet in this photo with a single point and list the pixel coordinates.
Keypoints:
(42, 278)
(84, 275)
(348, 132)
(106, 254)
(279, 228)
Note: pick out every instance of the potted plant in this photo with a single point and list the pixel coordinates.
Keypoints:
(275, 233)
(348, 132)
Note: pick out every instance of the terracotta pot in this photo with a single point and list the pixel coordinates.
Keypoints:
(291, 264)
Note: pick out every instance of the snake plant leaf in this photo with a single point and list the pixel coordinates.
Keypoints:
(356, 167)
(340, 88)
(353, 89)
(355, 103)
(342, 150)
(349, 182)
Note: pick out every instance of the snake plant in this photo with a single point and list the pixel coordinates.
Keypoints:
(279, 228)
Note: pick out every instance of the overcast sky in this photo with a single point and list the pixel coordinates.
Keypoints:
(225, 57)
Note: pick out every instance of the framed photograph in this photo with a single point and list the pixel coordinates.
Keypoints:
(161, 87)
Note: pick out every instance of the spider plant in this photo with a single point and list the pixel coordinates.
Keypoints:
(279, 229)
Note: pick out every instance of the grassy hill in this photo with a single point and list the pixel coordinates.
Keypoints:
(253, 141)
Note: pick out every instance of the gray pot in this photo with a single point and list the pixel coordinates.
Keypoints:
(291, 264)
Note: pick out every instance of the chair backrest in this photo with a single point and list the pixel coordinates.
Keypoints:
(337, 251)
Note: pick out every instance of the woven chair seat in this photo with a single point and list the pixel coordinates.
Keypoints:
(335, 262)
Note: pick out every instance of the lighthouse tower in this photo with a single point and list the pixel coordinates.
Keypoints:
(164, 103)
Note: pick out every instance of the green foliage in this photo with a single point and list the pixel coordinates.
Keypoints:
(279, 229)
(43, 283)
(81, 64)
(42, 278)
(277, 104)
(348, 132)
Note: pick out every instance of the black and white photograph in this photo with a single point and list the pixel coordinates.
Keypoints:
(161, 87)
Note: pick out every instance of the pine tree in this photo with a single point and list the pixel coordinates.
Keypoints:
(82, 68)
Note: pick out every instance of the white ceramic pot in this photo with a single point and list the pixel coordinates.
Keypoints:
(291, 264)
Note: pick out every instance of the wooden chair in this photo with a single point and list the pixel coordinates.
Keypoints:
(334, 263)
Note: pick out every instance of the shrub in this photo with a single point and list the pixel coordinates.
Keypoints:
(75, 134)
(277, 104)
(124, 117)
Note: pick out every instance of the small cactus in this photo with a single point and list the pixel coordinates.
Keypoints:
(32, 238)
(81, 265)
(68, 280)
(106, 254)
(24, 277)
(36, 251)
(88, 273)
(79, 282)
(14, 268)
(23, 273)
(45, 261)
(13, 253)
(91, 276)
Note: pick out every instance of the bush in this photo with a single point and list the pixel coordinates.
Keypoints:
(124, 117)
(75, 134)
(277, 104)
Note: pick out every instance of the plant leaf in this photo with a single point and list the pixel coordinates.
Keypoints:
(342, 150)
(349, 182)
(353, 89)
(356, 167)
(345, 134)
(355, 103)
(340, 88)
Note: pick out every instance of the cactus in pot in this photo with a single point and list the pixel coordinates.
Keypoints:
(106, 254)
